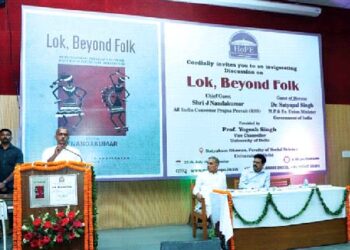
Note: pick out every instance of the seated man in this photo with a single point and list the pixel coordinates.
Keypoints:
(255, 177)
(209, 180)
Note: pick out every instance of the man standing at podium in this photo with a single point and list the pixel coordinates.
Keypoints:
(9, 157)
(61, 152)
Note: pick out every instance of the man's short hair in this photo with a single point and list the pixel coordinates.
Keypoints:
(261, 157)
(59, 128)
(6, 130)
(215, 159)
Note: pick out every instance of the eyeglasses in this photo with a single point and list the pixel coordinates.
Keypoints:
(62, 134)
(257, 162)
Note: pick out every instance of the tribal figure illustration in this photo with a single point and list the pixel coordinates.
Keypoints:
(114, 97)
(69, 98)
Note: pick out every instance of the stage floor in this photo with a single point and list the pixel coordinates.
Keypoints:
(149, 238)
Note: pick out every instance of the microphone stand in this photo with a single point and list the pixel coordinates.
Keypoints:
(81, 159)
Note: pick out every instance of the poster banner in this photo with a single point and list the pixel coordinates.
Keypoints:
(154, 98)
(99, 76)
(238, 92)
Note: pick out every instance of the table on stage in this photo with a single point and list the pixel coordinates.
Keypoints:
(269, 230)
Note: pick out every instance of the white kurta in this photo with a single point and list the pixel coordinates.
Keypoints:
(205, 184)
(67, 154)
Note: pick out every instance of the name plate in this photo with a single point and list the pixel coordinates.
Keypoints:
(53, 190)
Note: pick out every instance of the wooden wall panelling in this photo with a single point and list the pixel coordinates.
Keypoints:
(9, 116)
(143, 203)
(338, 139)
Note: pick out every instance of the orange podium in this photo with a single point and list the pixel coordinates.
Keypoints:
(53, 206)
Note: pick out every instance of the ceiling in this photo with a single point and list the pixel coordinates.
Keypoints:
(331, 3)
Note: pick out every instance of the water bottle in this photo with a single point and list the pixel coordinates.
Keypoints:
(306, 182)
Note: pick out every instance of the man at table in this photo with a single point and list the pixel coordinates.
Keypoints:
(61, 152)
(209, 180)
(255, 177)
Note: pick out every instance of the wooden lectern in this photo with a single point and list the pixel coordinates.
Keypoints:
(26, 179)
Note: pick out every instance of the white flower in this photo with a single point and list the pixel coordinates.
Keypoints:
(67, 210)
(46, 215)
(25, 228)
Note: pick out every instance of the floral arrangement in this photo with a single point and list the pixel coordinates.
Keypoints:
(89, 189)
(47, 230)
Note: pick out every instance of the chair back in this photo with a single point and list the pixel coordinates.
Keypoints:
(235, 182)
(280, 182)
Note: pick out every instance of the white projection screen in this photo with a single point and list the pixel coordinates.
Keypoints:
(154, 98)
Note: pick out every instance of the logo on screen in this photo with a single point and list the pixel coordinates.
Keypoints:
(243, 45)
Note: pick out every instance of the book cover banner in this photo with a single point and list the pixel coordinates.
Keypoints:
(99, 76)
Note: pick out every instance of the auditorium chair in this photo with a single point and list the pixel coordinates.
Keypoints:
(280, 182)
(198, 218)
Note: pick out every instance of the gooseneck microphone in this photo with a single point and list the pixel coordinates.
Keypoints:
(81, 159)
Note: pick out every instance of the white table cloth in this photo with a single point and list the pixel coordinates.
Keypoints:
(289, 201)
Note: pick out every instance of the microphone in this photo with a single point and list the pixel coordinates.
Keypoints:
(81, 159)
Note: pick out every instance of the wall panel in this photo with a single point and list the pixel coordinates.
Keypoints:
(338, 134)
(9, 116)
(143, 203)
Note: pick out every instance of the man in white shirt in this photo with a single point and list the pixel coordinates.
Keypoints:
(61, 152)
(256, 177)
(209, 180)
